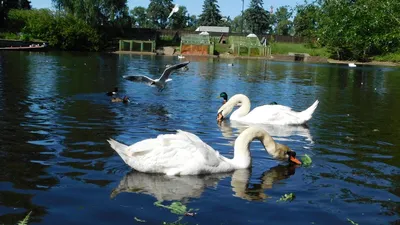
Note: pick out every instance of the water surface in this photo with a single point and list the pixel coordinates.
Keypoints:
(56, 118)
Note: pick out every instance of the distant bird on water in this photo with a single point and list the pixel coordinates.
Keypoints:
(111, 93)
(124, 100)
(160, 82)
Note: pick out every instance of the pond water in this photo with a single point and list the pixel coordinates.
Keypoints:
(55, 119)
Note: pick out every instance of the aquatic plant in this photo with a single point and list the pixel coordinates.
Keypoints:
(306, 160)
(176, 208)
(287, 197)
(352, 222)
(139, 220)
(25, 220)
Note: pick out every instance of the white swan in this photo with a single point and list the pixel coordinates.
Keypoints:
(265, 114)
(160, 82)
(184, 153)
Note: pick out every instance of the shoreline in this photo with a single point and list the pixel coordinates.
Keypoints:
(276, 57)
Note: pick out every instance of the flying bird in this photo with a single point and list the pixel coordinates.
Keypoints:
(160, 82)
(174, 10)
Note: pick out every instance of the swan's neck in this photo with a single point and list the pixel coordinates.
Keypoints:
(242, 156)
(244, 109)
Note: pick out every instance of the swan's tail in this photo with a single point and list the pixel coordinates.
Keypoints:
(306, 115)
(121, 149)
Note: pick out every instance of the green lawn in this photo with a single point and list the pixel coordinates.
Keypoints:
(392, 57)
(285, 48)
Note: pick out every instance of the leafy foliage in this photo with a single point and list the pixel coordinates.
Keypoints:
(175, 207)
(352, 29)
(287, 197)
(283, 22)
(139, 220)
(306, 21)
(192, 22)
(63, 31)
(180, 18)
(211, 15)
(158, 13)
(306, 160)
(257, 19)
(25, 220)
(139, 17)
(95, 12)
(7, 5)
(352, 222)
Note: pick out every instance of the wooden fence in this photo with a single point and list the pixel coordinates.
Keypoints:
(153, 34)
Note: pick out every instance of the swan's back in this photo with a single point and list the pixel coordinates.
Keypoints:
(181, 153)
(279, 115)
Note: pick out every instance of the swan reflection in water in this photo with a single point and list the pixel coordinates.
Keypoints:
(278, 132)
(181, 188)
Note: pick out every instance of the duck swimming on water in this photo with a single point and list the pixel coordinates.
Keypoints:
(124, 100)
(111, 93)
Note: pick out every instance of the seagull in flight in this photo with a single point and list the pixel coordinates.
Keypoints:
(160, 82)
(174, 10)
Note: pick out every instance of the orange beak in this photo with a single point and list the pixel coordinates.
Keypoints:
(295, 160)
(220, 117)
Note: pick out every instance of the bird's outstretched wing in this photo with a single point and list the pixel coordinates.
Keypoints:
(174, 10)
(143, 79)
(171, 69)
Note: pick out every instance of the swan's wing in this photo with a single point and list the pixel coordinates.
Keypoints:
(171, 69)
(210, 156)
(143, 79)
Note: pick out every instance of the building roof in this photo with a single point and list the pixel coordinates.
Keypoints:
(213, 29)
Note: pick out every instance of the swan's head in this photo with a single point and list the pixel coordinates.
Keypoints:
(286, 154)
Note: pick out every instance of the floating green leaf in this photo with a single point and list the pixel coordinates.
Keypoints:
(306, 160)
(25, 220)
(175, 207)
(287, 197)
(352, 222)
(139, 220)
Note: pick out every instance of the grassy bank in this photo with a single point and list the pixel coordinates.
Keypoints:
(285, 48)
(392, 57)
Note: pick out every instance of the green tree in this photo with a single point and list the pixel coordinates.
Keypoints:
(211, 15)
(7, 5)
(236, 24)
(94, 12)
(158, 13)
(226, 22)
(63, 31)
(180, 18)
(283, 22)
(306, 20)
(359, 29)
(139, 17)
(257, 19)
(192, 22)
